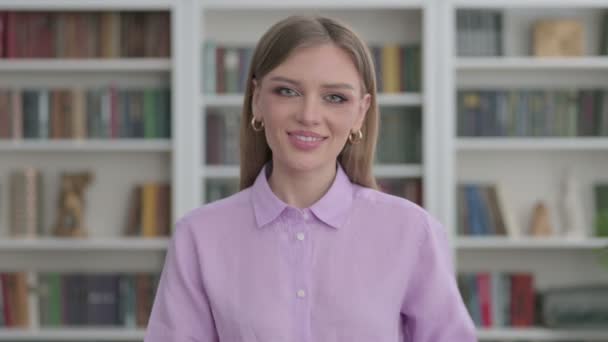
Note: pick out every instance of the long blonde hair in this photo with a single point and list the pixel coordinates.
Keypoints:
(273, 48)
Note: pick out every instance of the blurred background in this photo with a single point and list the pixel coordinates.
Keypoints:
(118, 117)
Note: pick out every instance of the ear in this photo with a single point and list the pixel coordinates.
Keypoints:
(362, 111)
(255, 98)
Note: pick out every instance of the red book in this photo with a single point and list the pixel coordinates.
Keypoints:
(114, 115)
(219, 70)
(527, 289)
(522, 300)
(3, 25)
(11, 35)
(485, 298)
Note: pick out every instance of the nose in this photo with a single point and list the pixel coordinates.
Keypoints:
(310, 112)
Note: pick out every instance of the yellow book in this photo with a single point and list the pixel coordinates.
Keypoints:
(79, 114)
(390, 68)
(21, 308)
(148, 210)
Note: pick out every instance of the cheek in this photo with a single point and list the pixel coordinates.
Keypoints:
(342, 121)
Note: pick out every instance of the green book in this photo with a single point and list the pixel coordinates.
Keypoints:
(54, 300)
(150, 114)
(604, 34)
(601, 207)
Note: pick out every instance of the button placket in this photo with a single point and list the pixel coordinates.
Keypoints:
(301, 241)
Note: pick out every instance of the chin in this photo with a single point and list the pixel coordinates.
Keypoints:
(304, 164)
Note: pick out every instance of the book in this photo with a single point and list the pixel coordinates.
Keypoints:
(601, 209)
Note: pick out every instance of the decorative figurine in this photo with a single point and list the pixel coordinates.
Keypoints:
(71, 205)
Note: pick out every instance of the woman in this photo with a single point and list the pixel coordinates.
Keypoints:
(309, 250)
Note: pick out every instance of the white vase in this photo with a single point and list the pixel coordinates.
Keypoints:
(573, 218)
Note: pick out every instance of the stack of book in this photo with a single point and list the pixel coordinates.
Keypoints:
(398, 67)
(479, 32)
(575, 307)
(533, 112)
(78, 299)
(410, 188)
(499, 299)
(482, 211)
(149, 210)
(601, 209)
(222, 134)
(26, 203)
(84, 34)
(85, 113)
(14, 309)
(400, 136)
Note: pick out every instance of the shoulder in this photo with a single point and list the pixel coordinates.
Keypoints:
(396, 212)
(220, 213)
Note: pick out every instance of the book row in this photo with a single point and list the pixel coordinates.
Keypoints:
(78, 299)
(148, 215)
(225, 68)
(36, 34)
(532, 112)
(499, 299)
(78, 113)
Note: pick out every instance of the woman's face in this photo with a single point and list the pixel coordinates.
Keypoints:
(309, 104)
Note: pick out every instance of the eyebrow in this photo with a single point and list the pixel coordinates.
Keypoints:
(326, 85)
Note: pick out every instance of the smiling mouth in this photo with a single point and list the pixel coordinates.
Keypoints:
(306, 138)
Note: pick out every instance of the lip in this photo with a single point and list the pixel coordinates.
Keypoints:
(305, 145)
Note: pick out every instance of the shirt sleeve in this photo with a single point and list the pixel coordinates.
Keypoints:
(433, 309)
(181, 309)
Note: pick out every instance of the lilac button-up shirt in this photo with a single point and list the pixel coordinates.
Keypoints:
(357, 266)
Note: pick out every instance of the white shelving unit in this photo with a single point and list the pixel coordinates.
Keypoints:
(528, 168)
(580, 144)
(72, 334)
(117, 165)
(86, 145)
(131, 65)
(58, 245)
(538, 334)
(540, 244)
(532, 63)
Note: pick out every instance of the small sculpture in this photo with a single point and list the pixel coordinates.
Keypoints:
(71, 205)
(540, 225)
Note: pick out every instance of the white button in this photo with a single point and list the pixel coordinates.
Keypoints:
(300, 236)
(305, 215)
(301, 293)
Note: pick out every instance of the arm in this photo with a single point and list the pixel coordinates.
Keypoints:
(433, 308)
(181, 309)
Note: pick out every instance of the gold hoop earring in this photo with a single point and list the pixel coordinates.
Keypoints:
(355, 137)
(257, 127)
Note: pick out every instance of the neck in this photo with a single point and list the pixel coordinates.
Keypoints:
(301, 189)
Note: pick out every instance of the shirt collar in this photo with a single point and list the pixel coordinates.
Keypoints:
(332, 208)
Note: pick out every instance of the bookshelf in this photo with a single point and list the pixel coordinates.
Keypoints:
(528, 167)
(118, 162)
(405, 22)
